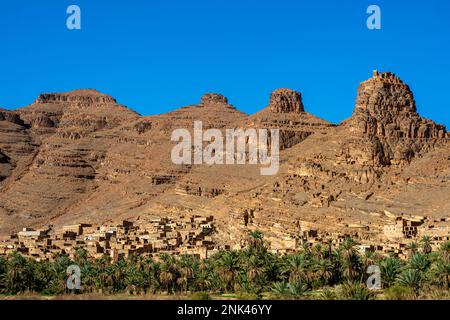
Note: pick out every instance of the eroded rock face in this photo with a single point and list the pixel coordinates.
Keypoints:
(385, 112)
(56, 155)
(213, 98)
(286, 100)
(42, 121)
(286, 113)
(385, 107)
(9, 116)
(367, 153)
(93, 145)
(84, 97)
(16, 144)
(3, 157)
(5, 166)
(384, 92)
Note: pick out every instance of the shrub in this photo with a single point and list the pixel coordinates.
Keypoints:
(434, 293)
(355, 291)
(280, 289)
(398, 292)
(248, 296)
(328, 295)
(411, 278)
(297, 289)
(200, 296)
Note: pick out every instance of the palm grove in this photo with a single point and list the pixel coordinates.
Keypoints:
(317, 272)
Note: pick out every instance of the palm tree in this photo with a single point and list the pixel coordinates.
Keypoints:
(166, 277)
(227, 267)
(28, 275)
(256, 240)
(306, 248)
(426, 244)
(43, 276)
(350, 258)
(186, 268)
(296, 267)
(444, 251)
(355, 291)
(17, 278)
(390, 268)
(203, 277)
(317, 250)
(411, 278)
(59, 270)
(280, 288)
(169, 272)
(272, 267)
(412, 248)
(297, 289)
(3, 270)
(327, 295)
(116, 274)
(254, 269)
(101, 275)
(441, 267)
(87, 277)
(153, 274)
(337, 267)
(80, 256)
(420, 262)
(323, 269)
(140, 263)
(441, 270)
(329, 249)
(134, 280)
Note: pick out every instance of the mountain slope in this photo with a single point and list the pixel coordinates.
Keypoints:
(80, 157)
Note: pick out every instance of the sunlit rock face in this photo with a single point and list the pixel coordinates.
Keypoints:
(385, 111)
(286, 100)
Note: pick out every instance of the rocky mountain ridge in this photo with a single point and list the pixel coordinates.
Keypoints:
(81, 157)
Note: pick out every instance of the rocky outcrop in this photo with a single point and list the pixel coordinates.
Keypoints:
(213, 111)
(3, 157)
(12, 117)
(142, 126)
(82, 98)
(286, 113)
(286, 100)
(16, 144)
(16, 140)
(384, 92)
(385, 112)
(42, 121)
(200, 191)
(213, 98)
(385, 107)
(5, 166)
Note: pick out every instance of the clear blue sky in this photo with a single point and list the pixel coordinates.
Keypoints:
(156, 55)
